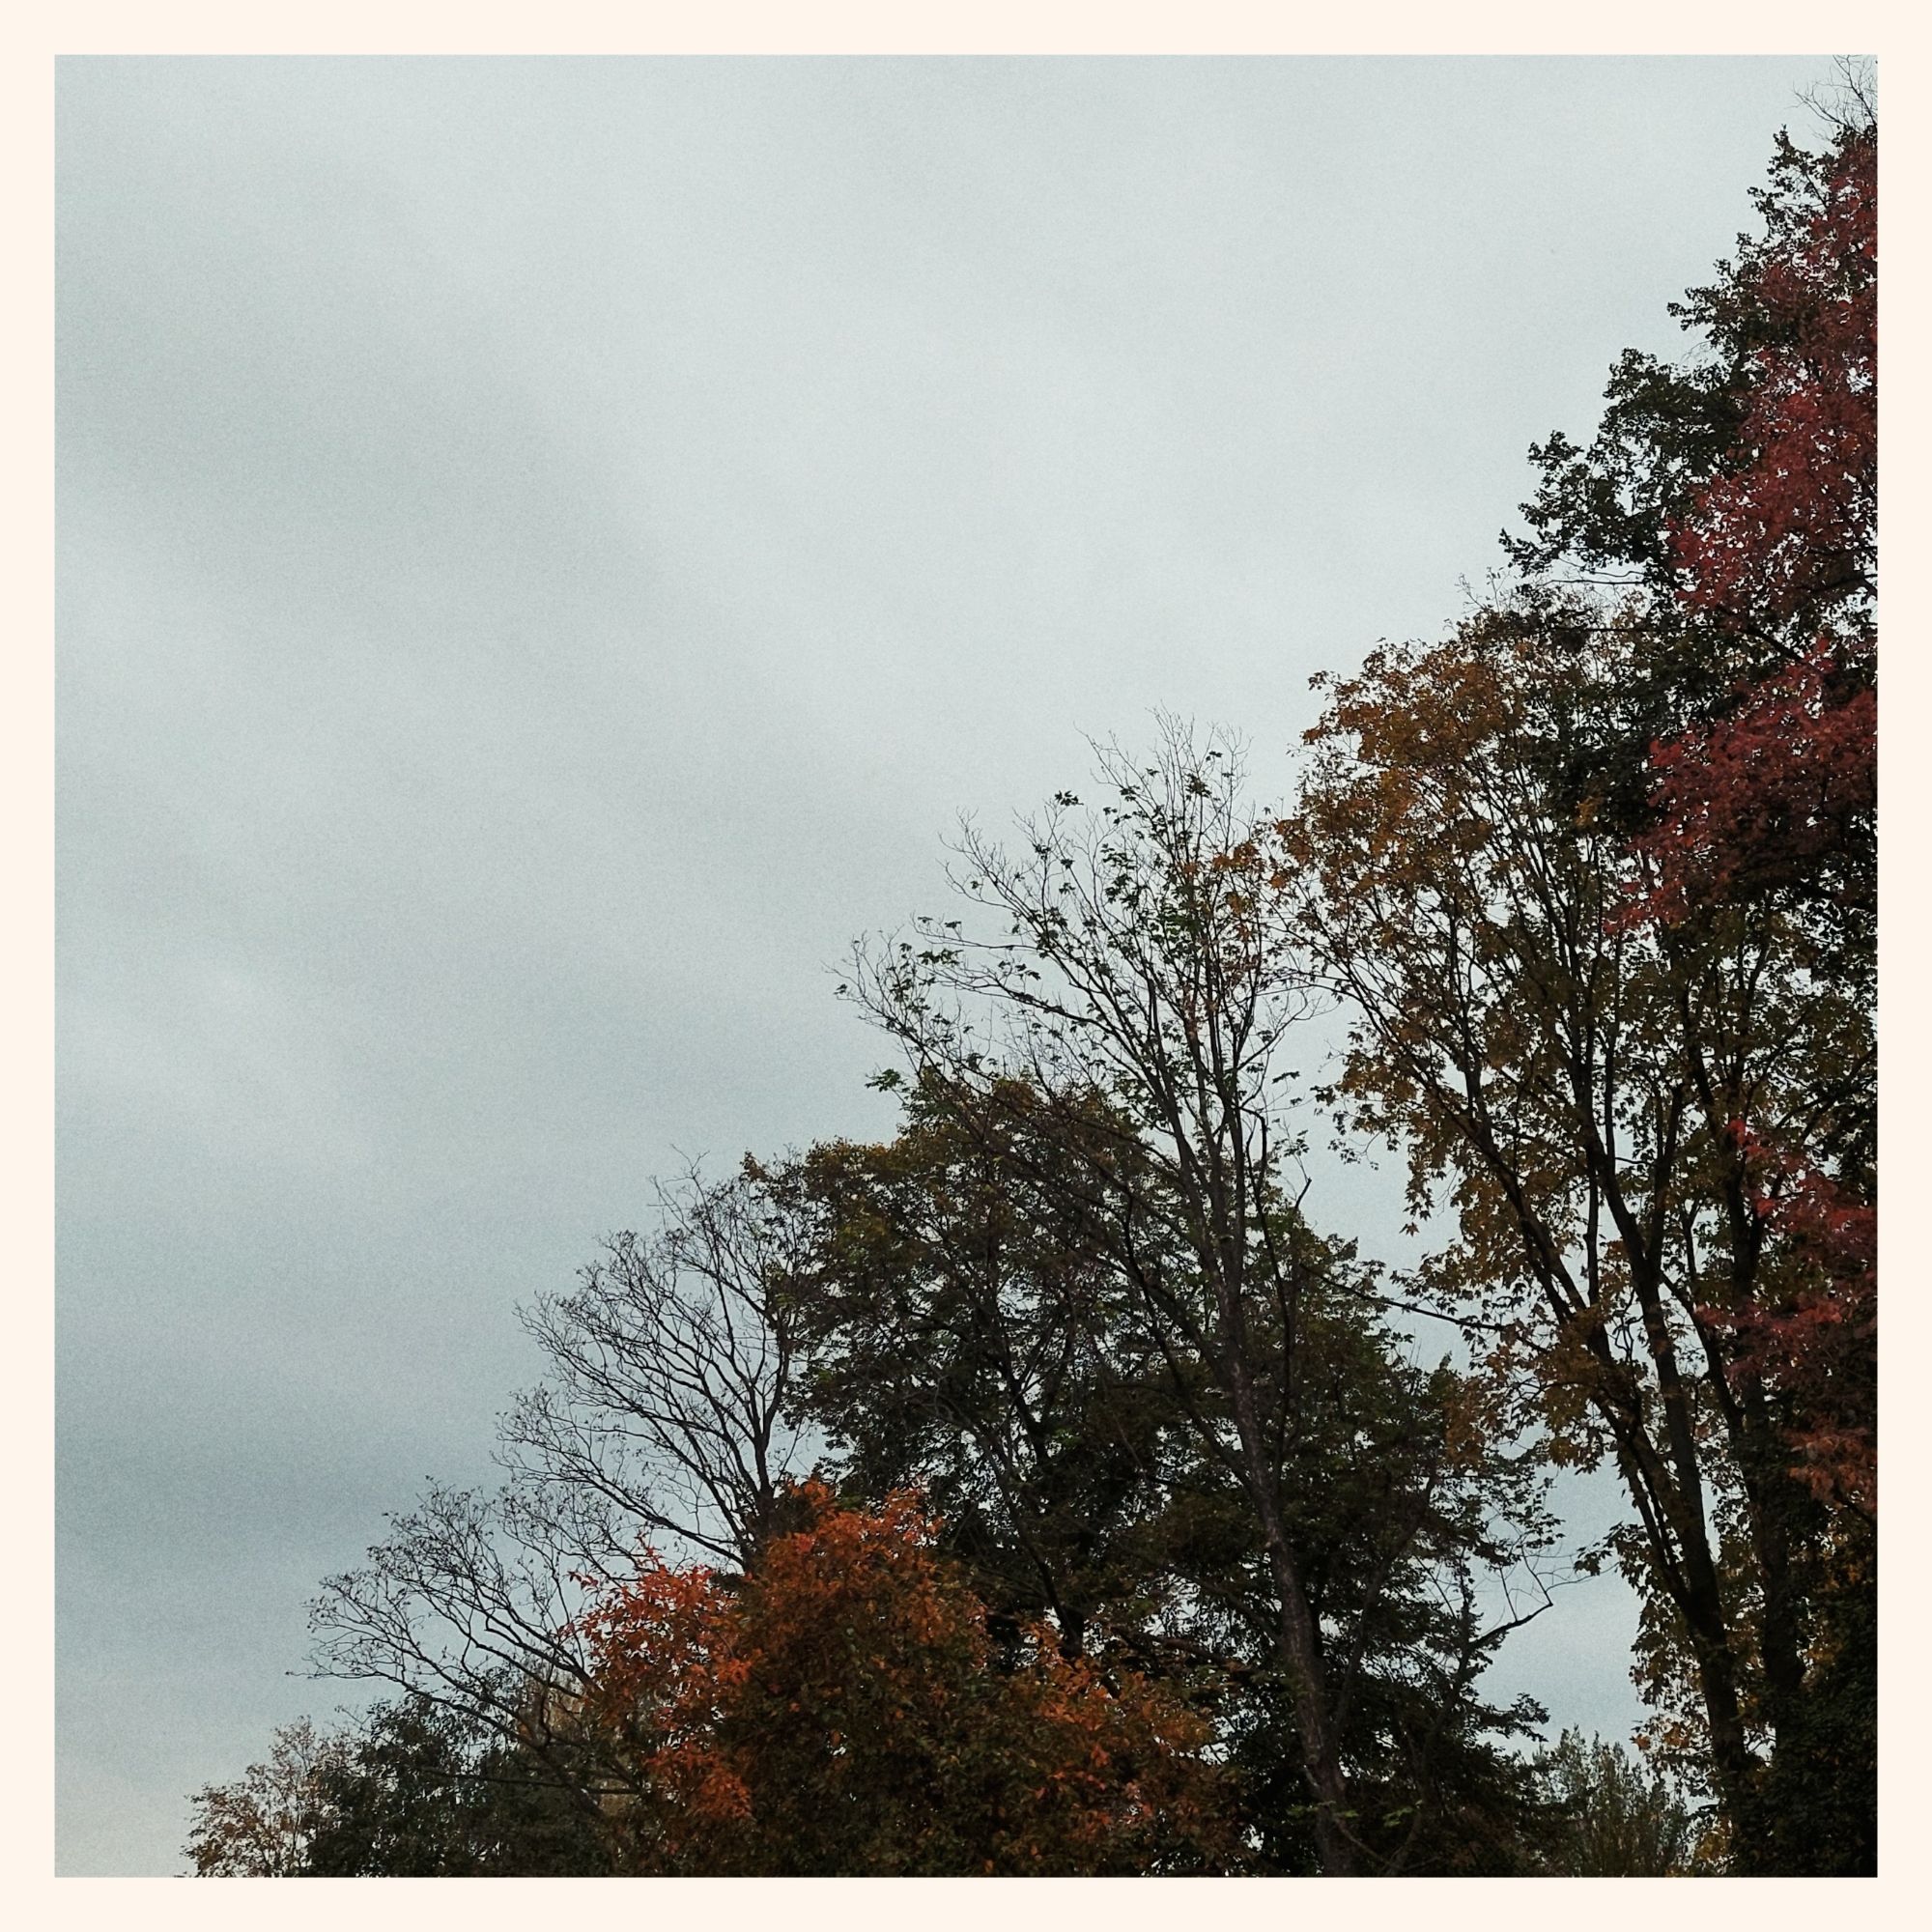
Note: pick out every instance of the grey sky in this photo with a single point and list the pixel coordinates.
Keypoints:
(546, 549)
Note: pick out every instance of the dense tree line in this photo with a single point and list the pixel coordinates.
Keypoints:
(1044, 1489)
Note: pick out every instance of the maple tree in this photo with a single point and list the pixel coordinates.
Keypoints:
(1566, 1085)
(1770, 785)
(1597, 878)
(1760, 601)
(1776, 792)
(838, 1710)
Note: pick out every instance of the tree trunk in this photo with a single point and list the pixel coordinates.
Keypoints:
(1320, 1760)
(1298, 1645)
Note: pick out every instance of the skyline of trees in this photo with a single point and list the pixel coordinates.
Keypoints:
(1051, 1460)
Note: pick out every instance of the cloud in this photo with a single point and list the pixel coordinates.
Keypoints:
(546, 551)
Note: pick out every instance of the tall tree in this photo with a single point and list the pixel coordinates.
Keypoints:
(1598, 875)
(1568, 1083)
(1119, 1048)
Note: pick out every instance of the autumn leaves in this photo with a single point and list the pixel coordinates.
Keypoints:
(1042, 1490)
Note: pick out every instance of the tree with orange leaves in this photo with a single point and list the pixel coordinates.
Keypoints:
(1598, 875)
(837, 1711)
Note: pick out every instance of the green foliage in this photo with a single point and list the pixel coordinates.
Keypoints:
(1608, 1817)
(425, 1793)
(409, 1790)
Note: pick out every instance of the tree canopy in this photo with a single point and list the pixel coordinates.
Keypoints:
(1047, 1489)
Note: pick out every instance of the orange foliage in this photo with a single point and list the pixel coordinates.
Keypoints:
(840, 1710)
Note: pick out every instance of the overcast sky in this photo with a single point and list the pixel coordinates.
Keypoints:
(548, 549)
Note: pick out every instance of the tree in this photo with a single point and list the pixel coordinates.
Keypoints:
(1735, 499)
(960, 1336)
(1598, 876)
(1739, 485)
(1131, 1019)
(1568, 1080)
(409, 1790)
(1774, 791)
(264, 1824)
(425, 1792)
(962, 1331)
(840, 1710)
(1612, 1819)
(661, 1418)
(672, 1368)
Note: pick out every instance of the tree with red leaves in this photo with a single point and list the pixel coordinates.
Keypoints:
(837, 1711)
(1813, 1336)
(1783, 531)
(1734, 497)
(1740, 494)
(1774, 789)
(1598, 875)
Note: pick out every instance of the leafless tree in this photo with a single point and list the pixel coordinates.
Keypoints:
(660, 1423)
(670, 1367)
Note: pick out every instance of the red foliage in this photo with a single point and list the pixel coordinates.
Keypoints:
(1781, 784)
(1812, 1337)
(1778, 792)
(1792, 520)
(840, 1709)
(1770, 795)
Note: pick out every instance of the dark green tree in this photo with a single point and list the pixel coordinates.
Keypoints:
(1610, 1817)
(1291, 1495)
(424, 1791)
(411, 1789)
